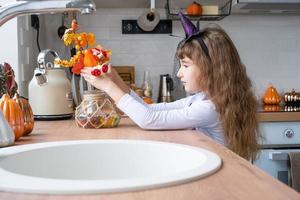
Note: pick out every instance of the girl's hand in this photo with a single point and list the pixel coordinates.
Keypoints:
(101, 82)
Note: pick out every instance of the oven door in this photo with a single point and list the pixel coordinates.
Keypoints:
(275, 162)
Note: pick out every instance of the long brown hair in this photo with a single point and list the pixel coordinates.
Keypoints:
(224, 79)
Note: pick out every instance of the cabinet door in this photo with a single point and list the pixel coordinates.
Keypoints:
(275, 162)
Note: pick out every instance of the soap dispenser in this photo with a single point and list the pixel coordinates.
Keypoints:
(7, 136)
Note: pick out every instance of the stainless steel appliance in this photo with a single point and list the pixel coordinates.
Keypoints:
(279, 138)
(165, 88)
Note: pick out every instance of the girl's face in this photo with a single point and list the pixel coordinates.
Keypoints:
(189, 75)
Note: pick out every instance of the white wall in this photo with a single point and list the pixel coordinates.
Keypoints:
(269, 45)
(9, 44)
(9, 41)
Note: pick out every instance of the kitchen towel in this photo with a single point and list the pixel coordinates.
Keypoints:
(295, 170)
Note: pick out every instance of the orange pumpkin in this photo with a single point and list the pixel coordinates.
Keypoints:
(13, 114)
(194, 9)
(90, 60)
(27, 113)
(271, 96)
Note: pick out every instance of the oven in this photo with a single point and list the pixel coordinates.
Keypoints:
(279, 139)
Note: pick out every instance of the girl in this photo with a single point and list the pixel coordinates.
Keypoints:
(222, 106)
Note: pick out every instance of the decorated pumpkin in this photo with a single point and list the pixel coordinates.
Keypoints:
(194, 9)
(27, 113)
(13, 114)
(271, 96)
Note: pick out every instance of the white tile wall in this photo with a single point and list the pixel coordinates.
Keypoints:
(9, 44)
(269, 45)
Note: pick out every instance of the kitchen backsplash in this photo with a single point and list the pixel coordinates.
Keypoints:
(269, 45)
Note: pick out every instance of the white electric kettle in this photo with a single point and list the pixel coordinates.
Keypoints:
(49, 91)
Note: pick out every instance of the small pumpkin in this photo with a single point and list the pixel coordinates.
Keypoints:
(27, 113)
(194, 9)
(13, 114)
(271, 96)
(90, 60)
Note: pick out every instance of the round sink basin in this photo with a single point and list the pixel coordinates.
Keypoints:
(95, 166)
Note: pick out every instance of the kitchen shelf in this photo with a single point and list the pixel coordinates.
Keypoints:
(224, 11)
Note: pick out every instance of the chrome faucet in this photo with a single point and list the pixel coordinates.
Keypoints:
(11, 10)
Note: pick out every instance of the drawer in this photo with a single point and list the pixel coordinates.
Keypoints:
(280, 133)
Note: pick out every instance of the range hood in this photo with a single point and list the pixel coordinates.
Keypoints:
(265, 6)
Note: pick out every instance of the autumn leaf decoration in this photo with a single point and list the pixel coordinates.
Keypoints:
(88, 54)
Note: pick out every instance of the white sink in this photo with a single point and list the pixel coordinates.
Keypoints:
(95, 166)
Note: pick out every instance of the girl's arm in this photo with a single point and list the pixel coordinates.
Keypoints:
(198, 114)
(160, 106)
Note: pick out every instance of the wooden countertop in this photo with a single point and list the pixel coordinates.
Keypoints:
(237, 178)
(278, 116)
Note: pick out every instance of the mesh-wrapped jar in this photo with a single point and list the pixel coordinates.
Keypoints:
(96, 111)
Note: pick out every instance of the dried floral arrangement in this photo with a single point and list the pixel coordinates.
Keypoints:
(88, 54)
(7, 80)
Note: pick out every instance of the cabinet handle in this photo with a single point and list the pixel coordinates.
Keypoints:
(289, 132)
(278, 156)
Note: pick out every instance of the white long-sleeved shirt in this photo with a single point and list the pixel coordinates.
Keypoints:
(193, 112)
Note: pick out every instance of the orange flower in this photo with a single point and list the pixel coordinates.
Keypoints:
(78, 64)
(90, 37)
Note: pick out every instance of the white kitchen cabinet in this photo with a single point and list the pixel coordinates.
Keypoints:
(279, 138)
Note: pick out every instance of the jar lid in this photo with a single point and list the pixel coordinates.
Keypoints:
(94, 94)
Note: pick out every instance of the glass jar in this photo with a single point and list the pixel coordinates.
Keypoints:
(147, 84)
(96, 111)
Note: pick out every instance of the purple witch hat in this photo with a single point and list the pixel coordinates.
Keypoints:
(189, 28)
(191, 32)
